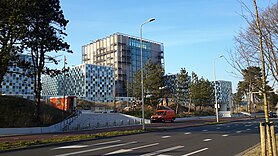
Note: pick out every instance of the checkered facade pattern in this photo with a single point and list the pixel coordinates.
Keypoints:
(224, 93)
(86, 81)
(16, 82)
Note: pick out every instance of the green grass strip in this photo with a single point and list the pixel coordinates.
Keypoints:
(22, 144)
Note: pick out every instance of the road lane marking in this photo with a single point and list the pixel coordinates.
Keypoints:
(238, 131)
(166, 136)
(131, 149)
(218, 128)
(187, 133)
(228, 126)
(206, 140)
(108, 142)
(198, 151)
(248, 129)
(205, 130)
(96, 149)
(225, 135)
(70, 147)
(82, 146)
(163, 151)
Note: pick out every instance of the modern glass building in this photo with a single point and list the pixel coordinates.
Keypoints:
(16, 82)
(122, 52)
(85, 81)
(224, 94)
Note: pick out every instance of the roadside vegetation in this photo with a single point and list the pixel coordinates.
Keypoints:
(21, 144)
(20, 112)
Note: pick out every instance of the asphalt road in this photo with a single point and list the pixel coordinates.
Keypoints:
(222, 139)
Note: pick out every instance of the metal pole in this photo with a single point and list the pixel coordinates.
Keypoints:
(215, 94)
(142, 79)
(142, 74)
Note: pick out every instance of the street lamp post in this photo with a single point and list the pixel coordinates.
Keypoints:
(142, 76)
(215, 91)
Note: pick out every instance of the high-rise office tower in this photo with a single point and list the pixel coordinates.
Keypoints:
(122, 52)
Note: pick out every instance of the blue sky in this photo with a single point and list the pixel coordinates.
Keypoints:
(194, 32)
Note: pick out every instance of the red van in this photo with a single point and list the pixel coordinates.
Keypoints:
(163, 116)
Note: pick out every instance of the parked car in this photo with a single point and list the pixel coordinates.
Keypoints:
(163, 116)
(272, 114)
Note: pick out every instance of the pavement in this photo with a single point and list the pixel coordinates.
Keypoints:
(196, 121)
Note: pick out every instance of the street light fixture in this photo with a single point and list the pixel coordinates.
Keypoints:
(215, 90)
(142, 76)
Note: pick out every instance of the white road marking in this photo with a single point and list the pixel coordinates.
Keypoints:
(205, 130)
(108, 142)
(82, 146)
(238, 131)
(198, 151)
(228, 126)
(225, 135)
(248, 129)
(70, 147)
(218, 128)
(96, 149)
(163, 151)
(206, 140)
(187, 133)
(166, 136)
(131, 149)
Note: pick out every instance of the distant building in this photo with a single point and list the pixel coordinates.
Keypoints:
(122, 52)
(224, 94)
(171, 83)
(85, 81)
(16, 82)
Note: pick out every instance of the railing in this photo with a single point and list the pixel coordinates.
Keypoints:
(66, 123)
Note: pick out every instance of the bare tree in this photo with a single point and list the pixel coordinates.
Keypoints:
(246, 52)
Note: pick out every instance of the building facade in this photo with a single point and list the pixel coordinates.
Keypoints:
(85, 81)
(122, 52)
(16, 82)
(224, 94)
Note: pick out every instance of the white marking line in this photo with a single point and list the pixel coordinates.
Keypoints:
(238, 131)
(70, 147)
(205, 130)
(187, 133)
(164, 137)
(218, 128)
(96, 149)
(131, 149)
(206, 140)
(225, 135)
(163, 151)
(198, 151)
(82, 146)
(108, 142)
(248, 129)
